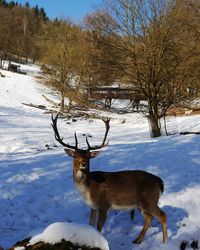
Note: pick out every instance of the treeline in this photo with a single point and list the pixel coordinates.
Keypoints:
(37, 10)
(19, 27)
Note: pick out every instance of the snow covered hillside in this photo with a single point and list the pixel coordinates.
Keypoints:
(36, 187)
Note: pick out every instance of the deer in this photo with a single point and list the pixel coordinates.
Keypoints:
(121, 190)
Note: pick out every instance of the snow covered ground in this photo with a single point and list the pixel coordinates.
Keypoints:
(36, 187)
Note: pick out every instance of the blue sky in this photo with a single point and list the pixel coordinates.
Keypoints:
(75, 9)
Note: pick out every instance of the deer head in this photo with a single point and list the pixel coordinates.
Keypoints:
(81, 156)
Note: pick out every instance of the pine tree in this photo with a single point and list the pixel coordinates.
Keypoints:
(43, 14)
(27, 4)
(36, 10)
(11, 4)
(3, 3)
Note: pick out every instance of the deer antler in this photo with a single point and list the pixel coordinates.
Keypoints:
(104, 143)
(57, 135)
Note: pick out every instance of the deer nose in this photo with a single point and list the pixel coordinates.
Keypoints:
(83, 166)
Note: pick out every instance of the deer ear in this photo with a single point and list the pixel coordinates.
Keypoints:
(70, 152)
(94, 154)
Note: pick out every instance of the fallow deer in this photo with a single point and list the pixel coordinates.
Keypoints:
(114, 190)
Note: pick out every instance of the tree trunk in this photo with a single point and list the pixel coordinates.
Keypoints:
(62, 103)
(154, 125)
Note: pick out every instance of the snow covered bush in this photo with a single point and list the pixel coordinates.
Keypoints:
(63, 236)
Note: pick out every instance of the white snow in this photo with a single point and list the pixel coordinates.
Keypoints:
(19, 248)
(36, 187)
(29, 69)
(76, 233)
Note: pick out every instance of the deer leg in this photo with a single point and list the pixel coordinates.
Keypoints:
(132, 214)
(101, 219)
(147, 221)
(162, 218)
(93, 215)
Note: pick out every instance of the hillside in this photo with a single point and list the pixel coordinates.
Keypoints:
(36, 187)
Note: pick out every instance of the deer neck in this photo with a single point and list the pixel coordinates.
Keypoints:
(81, 177)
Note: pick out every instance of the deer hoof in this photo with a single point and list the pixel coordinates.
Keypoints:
(137, 241)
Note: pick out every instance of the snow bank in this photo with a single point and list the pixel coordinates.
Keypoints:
(73, 232)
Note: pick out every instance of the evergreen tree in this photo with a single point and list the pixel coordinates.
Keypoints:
(3, 3)
(11, 4)
(36, 10)
(27, 4)
(43, 14)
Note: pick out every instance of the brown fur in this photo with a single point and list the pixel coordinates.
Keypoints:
(118, 190)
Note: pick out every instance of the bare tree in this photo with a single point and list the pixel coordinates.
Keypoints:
(152, 54)
(59, 57)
